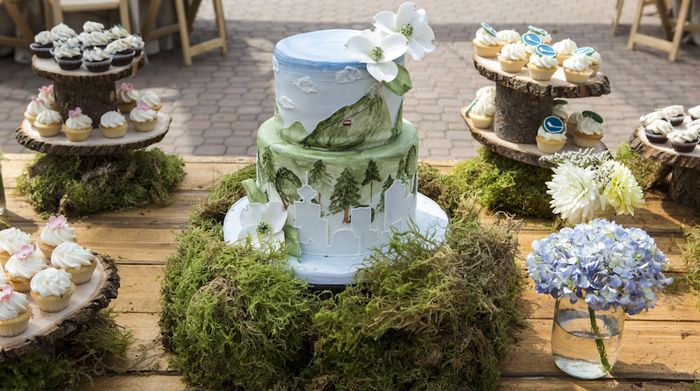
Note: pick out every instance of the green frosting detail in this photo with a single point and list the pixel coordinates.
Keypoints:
(401, 84)
(253, 192)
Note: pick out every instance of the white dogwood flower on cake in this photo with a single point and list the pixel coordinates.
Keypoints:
(411, 22)
(378, 51)
(263, 224)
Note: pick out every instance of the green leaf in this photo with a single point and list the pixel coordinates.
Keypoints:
(253, 191)
(291, 240)
(593, 115)
(401, 84)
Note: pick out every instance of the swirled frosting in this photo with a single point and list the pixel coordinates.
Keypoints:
(565, 47)
(560, 111)
(4, 279)
(660, 127)
(61, 31)
(97, 38)
(513, 52)
(693, 125)
(651, 117)
(96, 55)
(12, 303)
(55, 234)
(51, 282)
(551, 136)
(485, 38)
(595, 57)
(483, 107)
(673, 111)
(589, 126)
(543, 61)
(92, 27)
(26, 266)
(36, 106)
(118, 46)
(127, 95)
(70, 255)
(508, 36)
(135, 41)
(488, 92)
(118, 32)
(139, 114)
(44, 38)
(683, 136)
(151, 98)
(67, 51)
(112, 119)
(578, 62)
(74, 41)
(694, 111)
(81, 121)
(46, 94)
(49, 117)
(12, 239)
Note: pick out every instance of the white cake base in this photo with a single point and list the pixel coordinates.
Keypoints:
(431, 220)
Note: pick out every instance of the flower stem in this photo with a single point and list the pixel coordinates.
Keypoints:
(599, 341)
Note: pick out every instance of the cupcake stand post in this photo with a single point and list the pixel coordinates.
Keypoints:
(521, 105)
(684, 184)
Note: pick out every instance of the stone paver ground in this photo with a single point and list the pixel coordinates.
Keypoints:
(218, 103)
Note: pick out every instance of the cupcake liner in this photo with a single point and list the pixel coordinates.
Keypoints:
(98, 66)
(481, 121)
(584, 141)
(82, 275)
(677, 121)
(117, 132)
(512, 66)
(138, 51)
(145, 126)
(76, 135)
(126, 107)
(68, 64)
(15, 326)
(576, 77)
(21, 284)
(41, 51)
(48, 130)
(655, 138)
(540, 74)
(685, 147)
(122, 59)
(548, 146)
(53, 303)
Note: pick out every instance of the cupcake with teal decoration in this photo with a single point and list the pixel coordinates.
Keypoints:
(481, 112)
(551, 136)
(559, 108)
(589, 130)
(577, 68)
(593, 55)
(531, 41)
(486, 42)
(513, 57)
(565, 49)
(543, 63)
(546, 37)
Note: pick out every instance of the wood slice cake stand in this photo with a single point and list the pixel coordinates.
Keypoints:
(525, 153)
(46, 328)
(96, 144)
(685, 174)
(522, 103)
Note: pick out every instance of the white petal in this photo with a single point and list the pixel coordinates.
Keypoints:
(250, 215)
(415, 50)
(420, 22)
(385, 21)
(426, 39)
(246, 232)
(406, 14)
(276, 240)
(275, 215)
(385, 71)
(359, 48)
(394, 46)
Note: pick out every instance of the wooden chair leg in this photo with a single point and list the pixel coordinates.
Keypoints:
(618, 13)
(221, 24)
(48, 20)
(678, 34)
(192, 11)
(662, 8)
(149, 22)
(637, 19)
(184, 34)
(124, 14)
(15, 14)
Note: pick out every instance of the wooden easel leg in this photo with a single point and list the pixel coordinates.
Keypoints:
(663, 15)
(678, 34)
(192, 11)
(221, 24)
(16, 16)
(149, 21)
(184, 34)
(124, 14)
(56, 11)
(635, 24)
(618, 13)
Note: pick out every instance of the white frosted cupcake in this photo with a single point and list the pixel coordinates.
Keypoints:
(127, 96)
(513, 57)
(577, 68)
(657, 131)
(551, 135)
(78, 125)
(486, 42)
(675, 114)
(96, 39)
(34, 107)
(564, 49)
(48, 123)
(56, 231)
(589, 130)
(481, 113)
(593, 55)
(91, 27)
(62, 32)
(11, 240)
(118, 32)
(46, 94)
(508, 36)
(23, 265)
(151, 98)
(76, 260)
(14, 312)
(143, 117)
(546, 37)
(647, 119)
(488, 93)
(113, 125)
(542, 68)
(694, 113)
(52, 289)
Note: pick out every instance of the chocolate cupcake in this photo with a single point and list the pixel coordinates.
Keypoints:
(42, 45)
(694, 113)
(656, 131)
(675, 114)
(136, 43)
(122, 53)
(97, 60)
(68, 57)
(683, 141)
(96, 39)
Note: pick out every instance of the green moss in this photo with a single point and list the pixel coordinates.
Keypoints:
(691, 256)
(94, 348)
(81, 185)
(646, 171)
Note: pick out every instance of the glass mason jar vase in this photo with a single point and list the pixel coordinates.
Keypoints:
(586, 343)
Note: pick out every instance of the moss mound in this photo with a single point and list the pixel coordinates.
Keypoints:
(647, 172)
(81, 185)
(94, 348)
(423, 316)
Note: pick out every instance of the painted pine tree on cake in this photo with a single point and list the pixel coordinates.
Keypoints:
(319, 179)
(346, 195)
(387, 184)
(287, 183)
(371, 175)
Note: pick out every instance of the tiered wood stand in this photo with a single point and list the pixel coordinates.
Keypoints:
(684, 185)
(46, 328)
(521, 105)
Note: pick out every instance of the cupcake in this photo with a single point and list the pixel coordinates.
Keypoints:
(15, 312)
(564, 49)
(559, 109)
(122, 53)
(61, 32)
(48, 123)
(694, 113)
(113, 124)
(78, 125)
(683, 141)
(23, 265)
(56, 231)
(546, 37)
(97, 60)
(543, 63)
(92, 27)
(76, 260)
(42, 45)
(651, 117)
(551, 136)
(481, 113)
(68, 57)
(656, 131)
(577, 68)
(531, 41)
(96, 39)
(151, 98)
(11, 240)
(118, 32)
(589, 130)
(572, 121)
(507, 36)
(143, 117)
(675, 114)
(486, 42)
(488, 92)
(52, 289)
(46, 94)
(136, 43)
(127, 97)
(593, 55)
(512, 58)
(34, 107)
(693, 125)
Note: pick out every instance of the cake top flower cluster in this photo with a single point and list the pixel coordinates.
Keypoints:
(602, 263)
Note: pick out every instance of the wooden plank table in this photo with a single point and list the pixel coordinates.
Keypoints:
(660, 349)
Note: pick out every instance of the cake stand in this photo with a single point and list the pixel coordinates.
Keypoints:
(684, 185)
(521, 105)
(46, 328)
